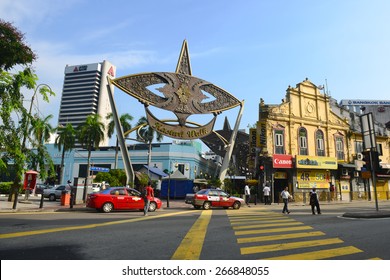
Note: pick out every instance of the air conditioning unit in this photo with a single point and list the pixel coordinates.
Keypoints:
(359, 156)
(344, 172)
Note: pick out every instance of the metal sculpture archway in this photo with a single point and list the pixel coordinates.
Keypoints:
(184, 95)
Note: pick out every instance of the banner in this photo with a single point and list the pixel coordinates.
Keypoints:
(312, 162)
(308, 179)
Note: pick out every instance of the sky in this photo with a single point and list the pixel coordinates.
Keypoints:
(251, 48)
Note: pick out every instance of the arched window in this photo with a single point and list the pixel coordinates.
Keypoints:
(320, 147)
(279, 141)
(302, 138)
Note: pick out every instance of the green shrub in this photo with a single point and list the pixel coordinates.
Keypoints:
(5, 187)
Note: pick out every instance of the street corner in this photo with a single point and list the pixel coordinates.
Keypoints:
(367, 215)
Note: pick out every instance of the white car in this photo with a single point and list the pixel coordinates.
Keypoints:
(53, 193)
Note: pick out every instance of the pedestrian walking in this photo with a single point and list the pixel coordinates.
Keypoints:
(266, 191)
(147, 193)
(68, 186)
(314, 202)
(247, 195)
(285, 196)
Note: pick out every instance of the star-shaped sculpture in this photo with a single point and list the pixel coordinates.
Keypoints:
(182, 94)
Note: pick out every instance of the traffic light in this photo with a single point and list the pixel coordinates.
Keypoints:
(367, 160)
(376, 161)
(374, 158)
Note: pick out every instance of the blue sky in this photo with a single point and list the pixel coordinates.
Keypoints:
(252, 49)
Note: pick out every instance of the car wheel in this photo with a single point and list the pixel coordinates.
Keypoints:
(236, 205)
(107, 207)
(197, 206)
(52, 197)
(152, 206)
(206, 205)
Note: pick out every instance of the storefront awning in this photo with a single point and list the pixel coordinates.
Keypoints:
(348, 165)
(385, 165)
(383, 175)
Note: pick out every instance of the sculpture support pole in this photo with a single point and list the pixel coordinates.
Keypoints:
(229, 150)
(125, 153)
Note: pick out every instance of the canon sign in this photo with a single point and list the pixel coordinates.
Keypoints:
(282, 161)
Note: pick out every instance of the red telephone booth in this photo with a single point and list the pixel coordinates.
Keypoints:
(30, 179)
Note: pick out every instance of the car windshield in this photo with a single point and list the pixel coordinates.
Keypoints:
(202, 191)
(133, 192)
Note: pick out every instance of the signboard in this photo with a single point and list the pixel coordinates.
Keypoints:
(99, 169)
(262, 127)
(368, 131)
(357, 102)
(308, 179)
(252, 147)
(312, 162)
(282, 161)
(280, 175)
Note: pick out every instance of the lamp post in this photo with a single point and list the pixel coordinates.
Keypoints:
(169, 181)
(25, 132)
(29, 113)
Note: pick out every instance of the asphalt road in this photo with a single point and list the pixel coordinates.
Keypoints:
(258, 232)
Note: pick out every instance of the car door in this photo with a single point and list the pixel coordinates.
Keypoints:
(224, 199)
(213, 196)
(58, 191)
(133, 200)
(118, 197)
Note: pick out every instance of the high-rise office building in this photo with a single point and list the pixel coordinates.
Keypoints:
(85, 93)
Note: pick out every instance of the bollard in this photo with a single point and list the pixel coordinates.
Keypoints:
(41, 203)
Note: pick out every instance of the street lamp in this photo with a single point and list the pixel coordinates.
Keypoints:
(169, 181)
(25, 132)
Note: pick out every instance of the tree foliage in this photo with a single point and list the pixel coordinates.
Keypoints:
(14, 118)
(65, 140)
(13, 50)
(115, 177)
(90, 134)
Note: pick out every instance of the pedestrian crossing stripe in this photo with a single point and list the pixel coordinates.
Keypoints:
(262, 220)
(320, 254)
(259, 231)
(288, 246)
(279, 237)
(267, 225)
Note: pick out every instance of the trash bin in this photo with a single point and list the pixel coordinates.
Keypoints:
(65, 198)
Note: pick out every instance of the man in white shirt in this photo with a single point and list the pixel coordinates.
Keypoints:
(247, 195)
(266, 191)
(285, 196)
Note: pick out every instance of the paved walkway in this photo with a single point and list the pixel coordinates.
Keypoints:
(354, 209)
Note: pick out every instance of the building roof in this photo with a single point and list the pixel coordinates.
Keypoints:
(156, 171)
(177, 175)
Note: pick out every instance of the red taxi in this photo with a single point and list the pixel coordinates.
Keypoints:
(120, 198)
(208, 198)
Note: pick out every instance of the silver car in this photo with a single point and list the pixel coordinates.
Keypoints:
(53, 193)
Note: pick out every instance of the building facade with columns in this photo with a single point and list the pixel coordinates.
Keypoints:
(302, 143)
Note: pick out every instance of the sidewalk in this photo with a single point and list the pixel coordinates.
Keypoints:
(33, 204)
(354, 209)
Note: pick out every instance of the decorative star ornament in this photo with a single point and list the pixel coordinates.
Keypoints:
(182, 94)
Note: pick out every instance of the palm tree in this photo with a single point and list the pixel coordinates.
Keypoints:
(40, 132)
(146, 134)
(126, 125)
(90, 134)
(65, 140)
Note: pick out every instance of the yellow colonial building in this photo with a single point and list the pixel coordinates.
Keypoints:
(304, 143)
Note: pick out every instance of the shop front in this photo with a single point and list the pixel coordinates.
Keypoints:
(314, 172)
(281, 176)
